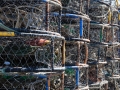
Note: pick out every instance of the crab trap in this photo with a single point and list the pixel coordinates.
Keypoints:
(27, 15)
(75, 6)
(32, 52)
(97, 52)
(115, 16)
(76, 53)
(96, 76)
(112, 68)
(99, 11)
(113, 51)
(104, 33)
(76, 78)
(112, 74)
(32, 81)
(75, 27)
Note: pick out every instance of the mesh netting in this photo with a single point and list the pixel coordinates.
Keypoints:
(97, 33)
(96, 53)
(112, 68)
(75, 6)
(113, 52)
(96, 74)
(98, 12)
(103, 33)
(76, 52)
(112, 73)
(16, 82)
(56, 82)
(115, 17)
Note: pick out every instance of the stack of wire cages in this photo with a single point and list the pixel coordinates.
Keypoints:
(100, 31)
(97, 56)
(32, 51)
(75, 28)
(112, 53)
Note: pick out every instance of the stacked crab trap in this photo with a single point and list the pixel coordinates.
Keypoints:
(31, 49)
(112, 53)
(98, 44)
(75, 28)
(104, 40)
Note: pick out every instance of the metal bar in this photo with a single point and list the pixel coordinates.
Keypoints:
(4, 70)
(47, 16)
(73, 16)
(52, 52)
(62, 77)
(47, 87)
(59, 26)
(77, 78)
(81, 28)
(78, 52)
(63, 53)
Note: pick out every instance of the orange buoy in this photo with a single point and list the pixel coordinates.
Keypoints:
(38, 42)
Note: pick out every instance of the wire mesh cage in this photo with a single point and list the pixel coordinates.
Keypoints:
(97, 52)
(76, 52)
(76, 77)
(103, 33)
(115, 32)
(112, 68)
(57, 81)
(97, 33)
(112, 74)
(115, 17)
(32, 51)
(75, 26)
(22, 15)
(112, 52)
(96, 72)
(96, 76)
(99, 11)
(116, 51)
(33, 81)
(75, 6)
